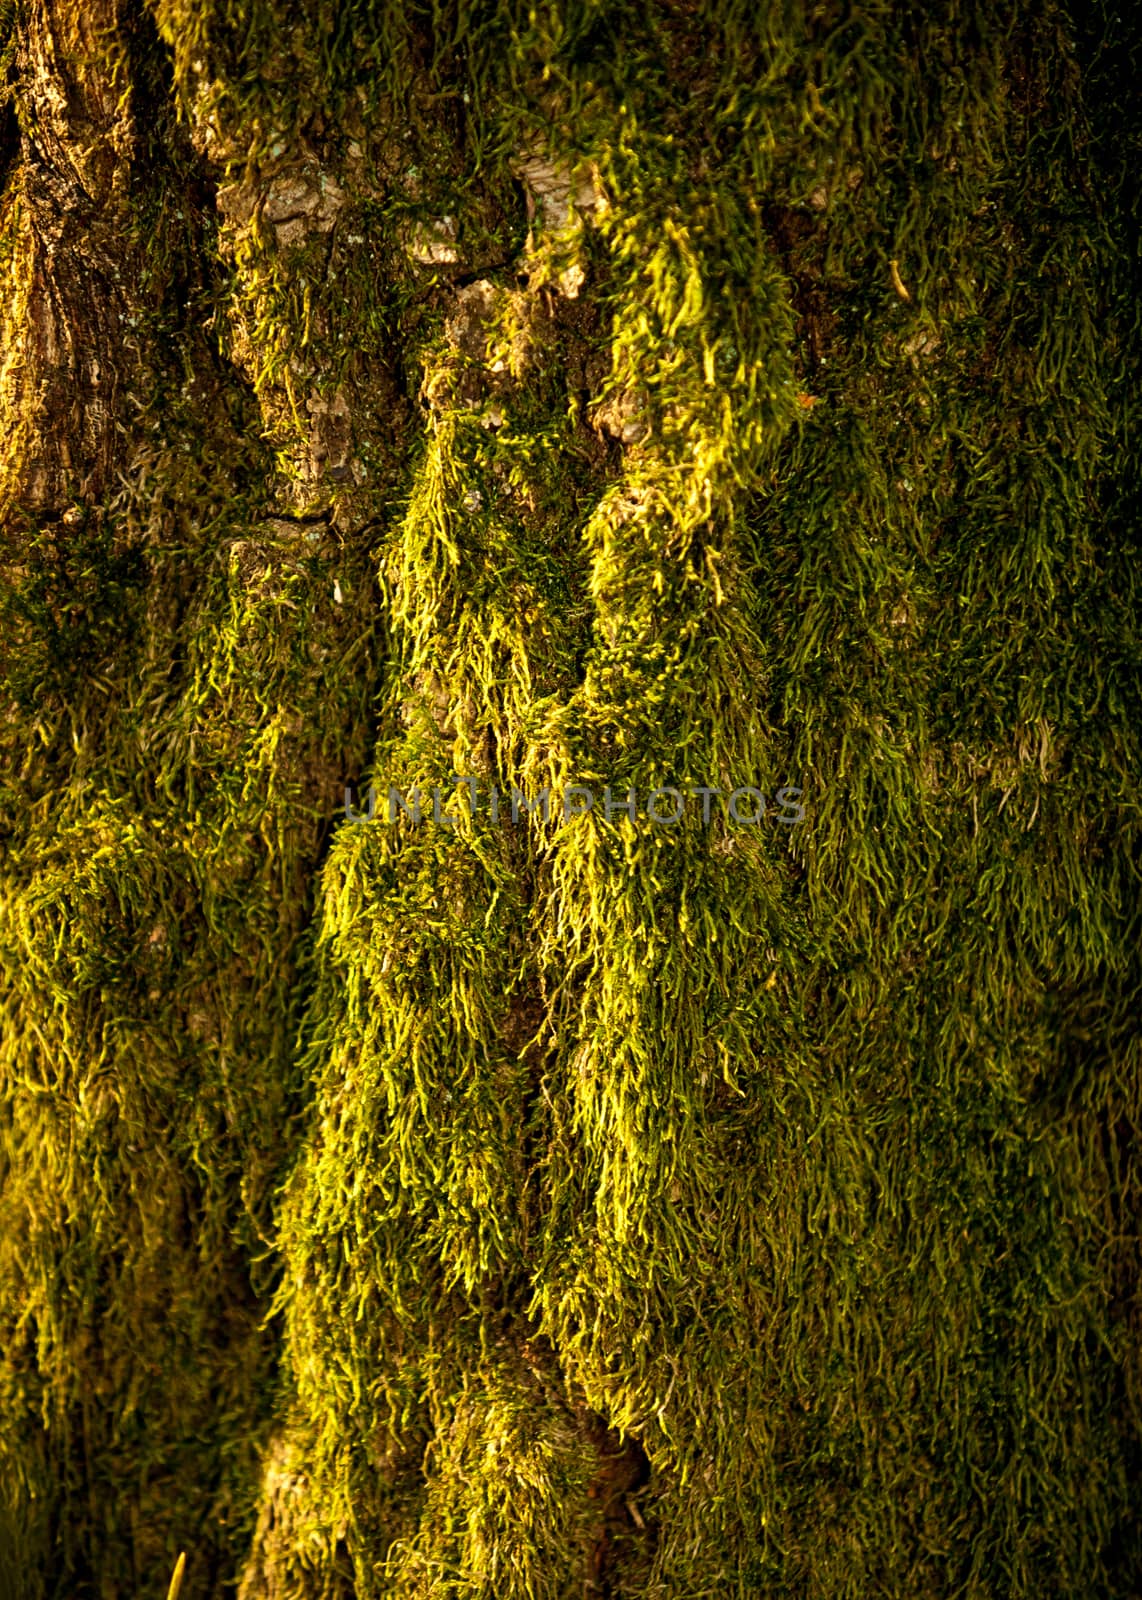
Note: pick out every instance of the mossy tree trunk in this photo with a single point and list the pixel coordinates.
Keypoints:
(695, 396)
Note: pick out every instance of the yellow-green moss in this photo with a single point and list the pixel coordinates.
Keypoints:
(509, 1210)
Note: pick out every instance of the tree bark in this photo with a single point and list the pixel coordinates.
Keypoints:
(698, 400)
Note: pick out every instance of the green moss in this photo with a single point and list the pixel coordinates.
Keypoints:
(508, 1210)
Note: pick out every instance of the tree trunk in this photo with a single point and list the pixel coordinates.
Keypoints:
(449, 1193)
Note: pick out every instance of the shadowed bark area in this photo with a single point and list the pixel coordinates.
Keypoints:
(550, 1202)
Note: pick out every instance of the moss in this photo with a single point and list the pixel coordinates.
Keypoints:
(625, 396)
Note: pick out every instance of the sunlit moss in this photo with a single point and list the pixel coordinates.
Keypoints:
(703, 396)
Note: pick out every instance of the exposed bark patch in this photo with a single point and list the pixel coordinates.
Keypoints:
(74, 295)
